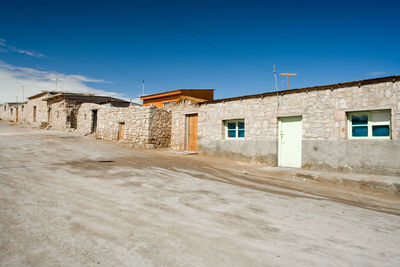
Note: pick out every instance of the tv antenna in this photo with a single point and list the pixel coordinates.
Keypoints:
(287, 77)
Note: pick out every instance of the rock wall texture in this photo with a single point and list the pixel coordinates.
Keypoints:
(59, 115)
(85, 117)
(325, 143)
(41, 111)
(143, 126)
(12, 112)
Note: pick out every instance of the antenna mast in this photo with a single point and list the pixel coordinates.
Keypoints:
(276, 83)
(287, 77)
(143, 87)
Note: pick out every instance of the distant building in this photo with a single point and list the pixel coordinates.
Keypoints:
(167, 98)
(36, 112)
(63, 108)
(12, 112)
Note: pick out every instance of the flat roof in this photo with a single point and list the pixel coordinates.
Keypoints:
(43, 93)
(395, 78)
(174, 92)
(77, 96)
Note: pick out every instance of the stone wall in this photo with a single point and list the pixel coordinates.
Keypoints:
(85, 117)
(159, 128)
(324, 121)
(13, 112)
(144, 126)
(41, 111)
(59, 115)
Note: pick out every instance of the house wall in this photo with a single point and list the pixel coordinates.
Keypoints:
(6, 115)
(85, 117)
(60, 115)
(325, 144)
(41, 111)
(145, 126)
(10, 114)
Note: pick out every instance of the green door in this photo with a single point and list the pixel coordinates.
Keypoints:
(289, 142)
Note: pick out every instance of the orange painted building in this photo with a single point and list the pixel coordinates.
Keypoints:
(173, 96)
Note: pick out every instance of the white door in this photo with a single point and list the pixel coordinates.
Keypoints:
(289, 145)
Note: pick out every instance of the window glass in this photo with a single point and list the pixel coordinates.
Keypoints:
(360, 131)
(231, 125)
(359, 119)
(231, 133)
(380, 130)
(370, 124)
(381, 117)
(234, 129)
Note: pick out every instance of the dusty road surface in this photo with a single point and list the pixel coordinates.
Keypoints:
(70, 201)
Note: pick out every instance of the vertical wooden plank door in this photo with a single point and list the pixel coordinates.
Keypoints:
(49, 116)
(191, 132)
(94, 121)
(34, 113)
(121, 131)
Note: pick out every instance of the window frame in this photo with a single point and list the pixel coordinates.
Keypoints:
(236, 129)
(369, 125)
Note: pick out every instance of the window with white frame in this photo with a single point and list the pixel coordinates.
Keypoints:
(234, 129)
(369, 125)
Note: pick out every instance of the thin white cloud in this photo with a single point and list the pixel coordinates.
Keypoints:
(377, 73)
(5, 48)
(14, 78)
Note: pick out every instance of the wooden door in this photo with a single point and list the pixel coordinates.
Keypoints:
(73, 119)
(290, 138)
(121, 131)
(49, 116)
(94, 121)
(16, 114)
(191, 132)
(34, 113)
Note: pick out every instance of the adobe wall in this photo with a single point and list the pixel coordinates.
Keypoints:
(145, 126)
(325, 144)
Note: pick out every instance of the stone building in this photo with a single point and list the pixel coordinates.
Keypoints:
(352, 126)
(63, 109)
(141, 126)
(36, 111)
(13, 112)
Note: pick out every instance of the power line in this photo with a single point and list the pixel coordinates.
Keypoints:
(67, 41)
(217, 48)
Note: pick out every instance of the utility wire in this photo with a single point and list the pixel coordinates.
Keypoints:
(215, 47)
(67, 41)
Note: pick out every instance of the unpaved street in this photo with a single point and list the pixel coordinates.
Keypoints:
(67, 200)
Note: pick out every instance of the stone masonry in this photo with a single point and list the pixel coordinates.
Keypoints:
(85, 117)
(144, 126)
(325, 143)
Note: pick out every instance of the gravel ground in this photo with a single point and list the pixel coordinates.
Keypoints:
(67, 200)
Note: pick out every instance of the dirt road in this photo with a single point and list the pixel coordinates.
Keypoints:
(67, 200)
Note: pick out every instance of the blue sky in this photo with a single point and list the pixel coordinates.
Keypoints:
(231, 46)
